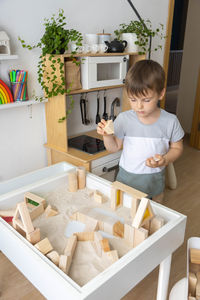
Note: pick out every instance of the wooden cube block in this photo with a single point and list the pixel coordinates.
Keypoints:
(44, 246)
(72, 181)
(81, 175)
(195, 256)
(54, 257)
(34, 236)
(112, 255)
(105, 245)
(118, 229)
(140, 235)
(109, 127)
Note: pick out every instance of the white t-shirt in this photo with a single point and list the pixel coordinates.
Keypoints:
(141, 141)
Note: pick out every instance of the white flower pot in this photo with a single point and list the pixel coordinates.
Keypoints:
(130, 38)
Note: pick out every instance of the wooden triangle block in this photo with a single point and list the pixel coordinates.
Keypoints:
(50, 212)
(144, 213)
(22, 218)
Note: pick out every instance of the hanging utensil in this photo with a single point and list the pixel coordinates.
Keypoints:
(98, 118)
(83, 108)
(87, 121)
(105, 115)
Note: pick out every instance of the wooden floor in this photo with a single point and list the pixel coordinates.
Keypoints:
(185, 199)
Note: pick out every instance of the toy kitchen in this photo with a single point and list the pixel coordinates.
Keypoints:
(101, 76)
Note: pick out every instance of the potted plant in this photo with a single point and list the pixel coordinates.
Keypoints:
(54, 42)
(137, 34)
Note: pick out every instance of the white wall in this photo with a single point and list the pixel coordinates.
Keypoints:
(190, 67)
(22, 138)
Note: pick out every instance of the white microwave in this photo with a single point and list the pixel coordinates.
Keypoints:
(100, 71)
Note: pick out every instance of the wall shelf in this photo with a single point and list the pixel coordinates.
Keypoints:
(7, 57)
(20, 104)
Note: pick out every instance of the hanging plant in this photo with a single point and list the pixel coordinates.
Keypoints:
(54, 42)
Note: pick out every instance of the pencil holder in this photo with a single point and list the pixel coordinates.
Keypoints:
(19, 91)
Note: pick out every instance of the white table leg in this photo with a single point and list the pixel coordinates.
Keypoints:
(163, 278)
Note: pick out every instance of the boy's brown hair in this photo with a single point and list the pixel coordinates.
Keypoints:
(145, 75)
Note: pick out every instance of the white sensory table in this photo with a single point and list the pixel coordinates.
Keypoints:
(114, 282)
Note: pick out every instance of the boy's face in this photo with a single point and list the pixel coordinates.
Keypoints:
(145, 106)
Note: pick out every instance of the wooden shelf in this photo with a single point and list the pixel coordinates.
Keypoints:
(98, 54)
(96, 89)
(7, 57)
(20, 104)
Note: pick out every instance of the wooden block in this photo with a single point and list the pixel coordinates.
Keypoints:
(85, 236)
(113, 196)
(116, 198)
(113, 255)
(34, 198)
(144, 213)
(156, 223)
(118, 229)
(72, 181)
(129, 234)
(139, 235)
(54, 257)
(74, 217)
(192, 283)
(198, 286)
(44, 246)
(109, 127)
(97, 242)
(129, 190)
(91, 225)
(25, 223)
(33, 237)
(105, 245)
(81, 174)
(191, 298)
(195, 256)
(98, 197)
(50, 212)
(7, 219)
(71, 246)
(7, 213)
(65, 263)
(134, 206)
(35, 211)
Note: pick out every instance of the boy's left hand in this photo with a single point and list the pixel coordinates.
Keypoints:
(156, 161)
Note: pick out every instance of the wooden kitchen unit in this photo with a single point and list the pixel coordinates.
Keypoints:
(57, 135)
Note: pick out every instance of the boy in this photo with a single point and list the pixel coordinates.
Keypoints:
(150, 136)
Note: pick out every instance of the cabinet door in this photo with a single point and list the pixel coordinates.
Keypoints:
(195, 132)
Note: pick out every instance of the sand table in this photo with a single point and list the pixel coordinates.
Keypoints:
(86, 264)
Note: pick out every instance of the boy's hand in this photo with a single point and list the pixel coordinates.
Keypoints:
(156, 161)
(100, 127)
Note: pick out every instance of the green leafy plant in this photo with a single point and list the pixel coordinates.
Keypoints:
(54, 42)
(143, 34)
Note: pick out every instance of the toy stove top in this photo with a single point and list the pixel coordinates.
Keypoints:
(86, 144)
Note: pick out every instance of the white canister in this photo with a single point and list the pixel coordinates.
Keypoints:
(102, 37)
(131, 38)
(91, 38)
